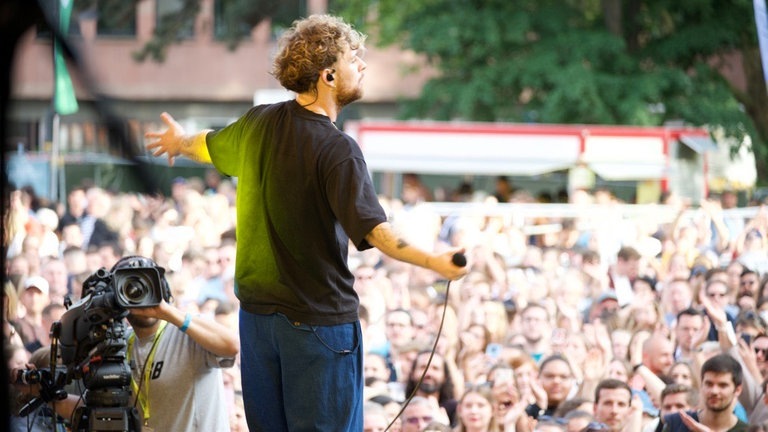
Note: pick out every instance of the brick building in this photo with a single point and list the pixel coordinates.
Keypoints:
(201, 81)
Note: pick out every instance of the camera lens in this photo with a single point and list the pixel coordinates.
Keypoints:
(134, 289)
(28, 377)
(137, 287)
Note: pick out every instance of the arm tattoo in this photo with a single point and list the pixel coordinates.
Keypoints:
(401, 243)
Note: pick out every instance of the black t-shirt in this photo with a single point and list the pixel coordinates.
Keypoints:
(674, 423)
(304, 192)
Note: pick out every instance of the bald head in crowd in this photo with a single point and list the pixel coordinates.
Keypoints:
(658, 354)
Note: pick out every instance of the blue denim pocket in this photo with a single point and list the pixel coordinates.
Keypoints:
(341, 339)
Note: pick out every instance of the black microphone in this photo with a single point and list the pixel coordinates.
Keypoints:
(459, 259)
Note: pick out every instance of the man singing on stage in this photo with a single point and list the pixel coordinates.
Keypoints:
(303, 193)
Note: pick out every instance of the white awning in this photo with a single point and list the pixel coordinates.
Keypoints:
(613, 152)
(620, 171)
(465, 151)
(626, 157)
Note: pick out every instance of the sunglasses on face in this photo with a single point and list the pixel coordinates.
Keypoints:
(417, 420)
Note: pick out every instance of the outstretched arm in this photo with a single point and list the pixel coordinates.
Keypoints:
(387, 241)
(174, 141)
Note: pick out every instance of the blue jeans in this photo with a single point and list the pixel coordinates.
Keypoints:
(298, 377)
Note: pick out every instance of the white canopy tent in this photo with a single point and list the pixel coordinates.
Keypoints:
(615, 153)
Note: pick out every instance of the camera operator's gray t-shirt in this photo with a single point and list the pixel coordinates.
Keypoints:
(186, 387)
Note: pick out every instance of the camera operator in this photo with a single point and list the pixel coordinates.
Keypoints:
(176, 369)
(176, 377)
(175, 359)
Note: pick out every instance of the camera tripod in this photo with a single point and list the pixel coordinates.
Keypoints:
(107, 399)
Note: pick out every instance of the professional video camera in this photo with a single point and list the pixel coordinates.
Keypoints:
(91, 340)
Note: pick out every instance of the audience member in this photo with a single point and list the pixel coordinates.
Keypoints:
(374, 417)
(475, 410)
(34, 298)
(613, 405)
(721, 378)
(689, 332)
(536, 329)
(418, 413)
(674, 398)
(554, 385)
(436, 385)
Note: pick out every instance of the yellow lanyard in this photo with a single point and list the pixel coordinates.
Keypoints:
(143, 395)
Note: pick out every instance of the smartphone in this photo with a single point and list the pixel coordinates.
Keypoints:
(493, 351)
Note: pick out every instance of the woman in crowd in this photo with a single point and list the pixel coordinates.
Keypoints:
(475, 413)
(475, 410)
(683, 373)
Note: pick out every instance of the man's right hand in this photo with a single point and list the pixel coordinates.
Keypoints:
(445, 264)
(169, 141)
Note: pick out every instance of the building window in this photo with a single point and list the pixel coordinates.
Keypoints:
(116, 18)
(230, 22)
(234, 21)
(287, 12)
(167, 15)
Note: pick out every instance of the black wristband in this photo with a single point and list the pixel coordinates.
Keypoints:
(636, 367)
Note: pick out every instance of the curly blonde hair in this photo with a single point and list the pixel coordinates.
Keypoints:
(311, 45)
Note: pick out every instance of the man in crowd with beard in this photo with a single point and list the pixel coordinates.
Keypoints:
(176, 360)
(176, 368)
(658, 353)
(436, 385)
(721, 384)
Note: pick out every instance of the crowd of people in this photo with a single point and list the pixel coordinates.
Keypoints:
(546, 332)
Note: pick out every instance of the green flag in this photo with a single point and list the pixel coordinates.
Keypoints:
(64, 100)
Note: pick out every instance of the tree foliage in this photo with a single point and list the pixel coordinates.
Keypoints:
(637, 62)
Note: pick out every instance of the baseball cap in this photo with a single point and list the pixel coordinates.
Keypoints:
(606, 295)
(38, 282)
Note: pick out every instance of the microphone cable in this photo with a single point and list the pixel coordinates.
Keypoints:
(459, 260)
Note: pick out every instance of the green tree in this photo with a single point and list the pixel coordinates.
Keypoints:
(638, 62)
